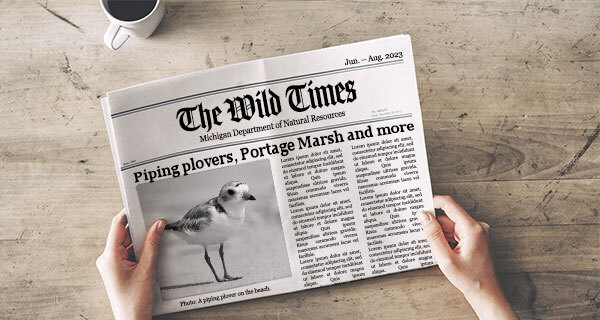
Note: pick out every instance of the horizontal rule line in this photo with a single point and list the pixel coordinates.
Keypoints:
(271, 137)
(252, 85)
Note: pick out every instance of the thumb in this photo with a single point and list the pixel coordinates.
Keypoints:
(151, 246)
(435, 235)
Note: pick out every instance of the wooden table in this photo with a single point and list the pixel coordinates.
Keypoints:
(510, 93)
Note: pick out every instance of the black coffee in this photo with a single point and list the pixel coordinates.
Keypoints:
(130, 10)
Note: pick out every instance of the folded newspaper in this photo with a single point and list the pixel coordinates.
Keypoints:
(276, 175)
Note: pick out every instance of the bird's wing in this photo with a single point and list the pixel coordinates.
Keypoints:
(197, 218)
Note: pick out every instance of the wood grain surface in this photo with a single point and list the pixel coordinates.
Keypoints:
(510, 94)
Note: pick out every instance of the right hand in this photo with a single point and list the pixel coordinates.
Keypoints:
(469, 266)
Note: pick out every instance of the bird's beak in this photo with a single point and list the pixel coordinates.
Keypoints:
(248, 196)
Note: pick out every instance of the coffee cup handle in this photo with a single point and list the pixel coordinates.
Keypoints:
(115, 36)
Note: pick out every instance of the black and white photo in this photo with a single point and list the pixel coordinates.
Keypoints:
(223, 229)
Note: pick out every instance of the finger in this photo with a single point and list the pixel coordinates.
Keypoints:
(130, 253)
(117, 231)
(448, 227)
(127, 239)
(435, 235)
(446, 223)
(452, 209)
(486, 227)
(151, 246)
(450, 237)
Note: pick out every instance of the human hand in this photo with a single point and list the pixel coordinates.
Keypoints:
(468, 265)
(130, 284)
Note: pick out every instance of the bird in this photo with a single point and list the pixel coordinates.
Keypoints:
(215, 221)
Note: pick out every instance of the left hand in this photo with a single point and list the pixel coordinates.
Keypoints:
(130, 284)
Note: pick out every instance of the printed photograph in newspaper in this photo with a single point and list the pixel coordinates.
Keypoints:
(223, 229)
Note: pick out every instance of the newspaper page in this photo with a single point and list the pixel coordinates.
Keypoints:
(276, 175)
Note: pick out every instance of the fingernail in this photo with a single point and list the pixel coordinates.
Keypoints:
(160, 226)
(425, 217)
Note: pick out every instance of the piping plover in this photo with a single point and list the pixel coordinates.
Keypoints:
(215, 221)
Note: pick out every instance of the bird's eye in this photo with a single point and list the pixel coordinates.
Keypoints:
(231, 192)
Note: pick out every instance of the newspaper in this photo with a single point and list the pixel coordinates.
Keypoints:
(276, 175)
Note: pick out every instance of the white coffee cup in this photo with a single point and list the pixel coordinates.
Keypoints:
(120, 30)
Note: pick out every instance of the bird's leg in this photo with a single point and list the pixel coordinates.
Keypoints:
(207, 258)
(226, 276)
